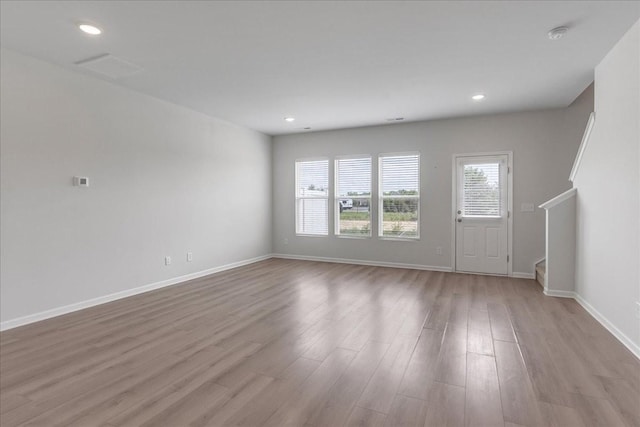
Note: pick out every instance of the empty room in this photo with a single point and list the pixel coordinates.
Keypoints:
(319, 213)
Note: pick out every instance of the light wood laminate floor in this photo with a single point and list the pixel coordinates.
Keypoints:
(295, 343)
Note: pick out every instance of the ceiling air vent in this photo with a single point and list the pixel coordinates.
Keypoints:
(109, 66)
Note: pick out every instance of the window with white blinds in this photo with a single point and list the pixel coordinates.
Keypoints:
(353, 196)
(481, 190)
(312, 197)
(399, 196)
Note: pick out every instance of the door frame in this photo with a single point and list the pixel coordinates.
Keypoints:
(454, 202)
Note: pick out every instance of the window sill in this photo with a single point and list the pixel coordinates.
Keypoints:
(342, 236)
(400, 239)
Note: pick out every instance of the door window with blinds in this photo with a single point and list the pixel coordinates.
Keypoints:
(481, 190)
(353, 196)
(312, 197)
(399, 196)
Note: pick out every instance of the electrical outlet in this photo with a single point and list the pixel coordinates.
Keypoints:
(439, 250)
(167, 260)
(286, 241)
(638, 309)
(189, 256)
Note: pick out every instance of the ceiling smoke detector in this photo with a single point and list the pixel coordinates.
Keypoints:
(557, 33)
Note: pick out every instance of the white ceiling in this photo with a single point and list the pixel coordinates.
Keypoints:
(332, 64)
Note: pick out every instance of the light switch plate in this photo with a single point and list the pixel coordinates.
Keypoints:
(526, 207)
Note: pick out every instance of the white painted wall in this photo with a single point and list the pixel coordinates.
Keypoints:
(608, 183)
(544, 144)
(164, 180)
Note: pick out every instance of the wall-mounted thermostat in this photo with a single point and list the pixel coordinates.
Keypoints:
(80, 181)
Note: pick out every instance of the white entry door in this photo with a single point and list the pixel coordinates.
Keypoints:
(481, 217)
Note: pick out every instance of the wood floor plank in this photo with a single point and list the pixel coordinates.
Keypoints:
(624, 398)
(407, 412)
(596, 412)
(559, 416)
(314, 392)
(286, 342)
(421, 369)
(85, 376)
(344, 394)
(361, 417)
(483, 403)
(210, 396)
(577, 376)
(18, 416)
(501, 326)
(479, 337)
(84, 404)
(333, 335)
(272, 359)
(544, 375)
(459, 313)
(275, 394)
(519, 403)
(445, 405)
(212, 415)
(381, 390)
(440, 313)
(452, 361)
(152, 400)
(9, 402)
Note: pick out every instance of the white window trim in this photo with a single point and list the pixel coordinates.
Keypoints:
(381, 197)
(297, 197)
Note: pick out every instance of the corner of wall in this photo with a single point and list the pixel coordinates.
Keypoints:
(608, 247)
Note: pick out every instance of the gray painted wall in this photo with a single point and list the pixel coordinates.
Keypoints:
(164, 180)
(544, 144)
(608, 208)
(561, 247)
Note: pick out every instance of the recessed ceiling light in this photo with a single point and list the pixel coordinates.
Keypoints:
(289, 119)
(478, 97)
(557, 33)
(90, 29)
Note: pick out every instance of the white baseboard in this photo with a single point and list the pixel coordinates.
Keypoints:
(633, 347)
(559, 294)
(617, 333)
(364, 262)
(20, 321)
(47, 314)
(518, 275)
